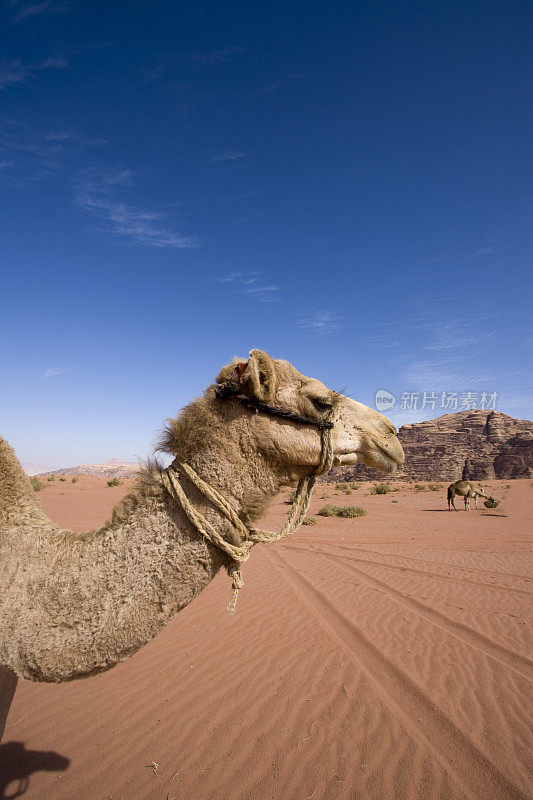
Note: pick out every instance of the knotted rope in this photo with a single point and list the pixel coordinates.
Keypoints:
(240, 553)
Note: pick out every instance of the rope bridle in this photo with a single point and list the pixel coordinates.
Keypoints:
(240, 553)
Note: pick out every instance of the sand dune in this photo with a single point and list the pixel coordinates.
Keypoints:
(383, 657)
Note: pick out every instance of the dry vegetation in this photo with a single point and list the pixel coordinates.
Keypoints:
(350, 512)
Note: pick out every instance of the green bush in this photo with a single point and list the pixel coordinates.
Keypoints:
(63, 479)
(36, 484)
(328, 510)
(310, 521)
(74, 480)
(420, 487)
(51, 478)
(394, 501)
(341, 511)
(380, 488)
(507, 485)
(114, 482)
(434, 487)
(351, 512)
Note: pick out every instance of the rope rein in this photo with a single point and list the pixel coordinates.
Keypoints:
(238, 554)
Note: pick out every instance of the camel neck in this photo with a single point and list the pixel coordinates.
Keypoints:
(247, 481)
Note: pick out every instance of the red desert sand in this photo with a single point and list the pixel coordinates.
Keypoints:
(386, 656)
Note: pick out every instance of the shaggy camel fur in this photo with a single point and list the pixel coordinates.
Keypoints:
(466, 490)
(75, 604)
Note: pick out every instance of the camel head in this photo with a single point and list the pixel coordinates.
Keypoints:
(359, 433)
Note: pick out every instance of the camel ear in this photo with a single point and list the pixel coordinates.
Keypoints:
(259, 377)
(228, 372)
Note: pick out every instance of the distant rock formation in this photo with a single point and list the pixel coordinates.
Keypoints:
(114, 468)
(32, 468)
(475, 445)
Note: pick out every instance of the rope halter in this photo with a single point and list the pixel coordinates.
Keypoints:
(238, 554)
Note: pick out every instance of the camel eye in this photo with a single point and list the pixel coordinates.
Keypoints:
(321, 405)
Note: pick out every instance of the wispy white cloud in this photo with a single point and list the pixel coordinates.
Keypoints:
(322, 322)
(482, 251)
(249, 282)
(461, 350)
(34, 154)
(241, 276)
(207, 57)
(24, 11)
(516, 403)
(245, 195)
(229, 155)
(201, 58)
(269, 88)
(459, 257)
(18, 72)
(262, 291)
(97, 195)
(65, 135)
(52, 372)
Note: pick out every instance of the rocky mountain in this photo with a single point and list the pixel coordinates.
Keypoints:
(476, 445)
(114, 468)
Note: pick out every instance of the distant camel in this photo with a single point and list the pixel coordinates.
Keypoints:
(75, 604)
(466, 490)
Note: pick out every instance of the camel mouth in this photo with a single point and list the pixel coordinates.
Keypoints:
(393, 454)
(384, 457)
(375, 455)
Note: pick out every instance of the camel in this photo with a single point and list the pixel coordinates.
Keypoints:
(466, 490)
(75, 604)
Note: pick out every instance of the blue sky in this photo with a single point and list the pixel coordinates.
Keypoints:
(346, 185)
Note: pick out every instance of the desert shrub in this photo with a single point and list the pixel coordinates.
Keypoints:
(74, 480)
(394, 501)
(341, 511)
(36, 484)
(420, 487)
(51, 478)
(434, 487)
(507, 485)
(114, 482)
(63, 480)
(380, 488)
(351, 512)
(310, 521)
(354, 485)
(328, 510)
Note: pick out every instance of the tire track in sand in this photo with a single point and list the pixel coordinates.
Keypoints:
(445, 565)
(458, 755)
(399, 568)
(518, 663)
